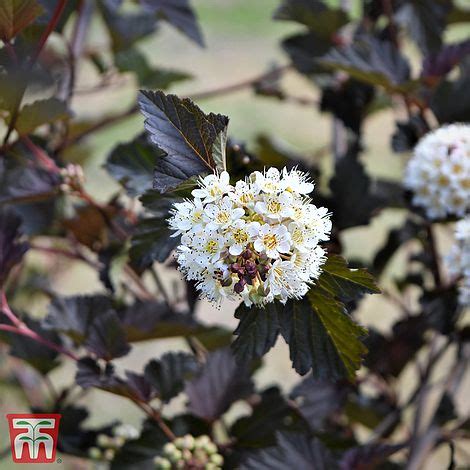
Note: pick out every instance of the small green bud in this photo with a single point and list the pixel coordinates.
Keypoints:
(103, 440)
(119, 441)
(176, 455)
(178, 442)
(109, 454)
(201, 441)
(210, 448)
(94, 453)
(162, 463)
(169, 448)
(188, 442)
(217, 459)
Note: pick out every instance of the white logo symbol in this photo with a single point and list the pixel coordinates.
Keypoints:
(33, 436)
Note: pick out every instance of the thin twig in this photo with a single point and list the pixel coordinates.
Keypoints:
(224, 90)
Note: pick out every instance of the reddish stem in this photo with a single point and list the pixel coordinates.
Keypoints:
(41, 156)
(21, 328)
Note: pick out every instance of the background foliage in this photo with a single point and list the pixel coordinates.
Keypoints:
(396, 65)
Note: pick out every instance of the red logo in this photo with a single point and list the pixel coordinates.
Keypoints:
(33, 437)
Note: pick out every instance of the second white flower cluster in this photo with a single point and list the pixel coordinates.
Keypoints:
(458, 260)
(258, 240)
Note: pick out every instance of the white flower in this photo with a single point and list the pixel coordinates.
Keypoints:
(222, 214)
(244, 194)
(275, 206)
(283, 281)
(296, 181)
(458, 260)
(257, 241)
(303, 237)
(213, 186)
(308, 264)
(269, 181)
(208, 246)
(187, 216)
(439, 172)
(239, 236)
(272, 240)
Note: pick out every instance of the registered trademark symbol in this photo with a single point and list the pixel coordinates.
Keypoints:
(59, 460)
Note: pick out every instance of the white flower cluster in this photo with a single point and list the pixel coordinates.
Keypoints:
(258, 240)
(439, 172)
(458, 260)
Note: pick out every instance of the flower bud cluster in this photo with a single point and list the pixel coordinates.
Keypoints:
(438, 173)
(73, 178)
(108, 445)
(458, 260)
(188, 452)
(258, 240)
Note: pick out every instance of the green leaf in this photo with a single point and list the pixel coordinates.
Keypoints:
(179, 14)
(343, 333)
(344, 283)
(43, 438)
(15, 15)
(257, 331)
(320, 334)
(131, 60)
(168, 374)
(25, 438)
(185, 133)
(314, 14)
(373, 61)
(40, 112)
(23, 423)
(322, 337)
(132, 164)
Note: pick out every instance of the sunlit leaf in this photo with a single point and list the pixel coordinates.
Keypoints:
(15, 15)
(40, 112)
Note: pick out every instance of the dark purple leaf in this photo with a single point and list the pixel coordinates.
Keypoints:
(425, 22)
(270, 414)
(318, 400)
(184, 133)
(439, 64)
(295, 451)
(221, 382)
(257, 331)
(314, 14)
(11, 248)
(106, 337)
(372, 61)
(368, 457)
(168, 374)
(179, 14)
